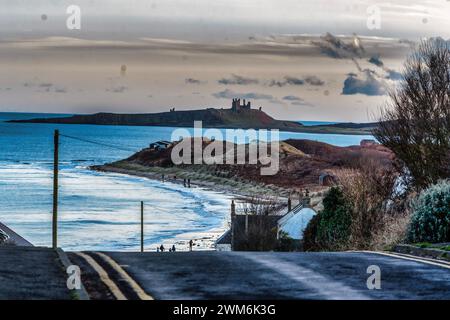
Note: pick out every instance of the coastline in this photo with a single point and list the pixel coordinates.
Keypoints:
(238, 189)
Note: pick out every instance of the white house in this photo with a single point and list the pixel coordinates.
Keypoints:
(160, 145)
(294, 222)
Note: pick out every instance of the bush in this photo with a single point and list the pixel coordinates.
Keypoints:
(310, 235)
(330, 228)
(430, 220)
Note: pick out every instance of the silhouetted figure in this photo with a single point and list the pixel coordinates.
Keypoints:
(162, 178)
(173, 248)
(157, 249)
(191, 243)
(161, 248)
(170, 249)
(189, 183)
(184, 183)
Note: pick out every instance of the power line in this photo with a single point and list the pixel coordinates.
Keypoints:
(100, 143)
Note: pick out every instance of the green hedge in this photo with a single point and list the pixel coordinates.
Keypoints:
(430, 220)
(330, 228)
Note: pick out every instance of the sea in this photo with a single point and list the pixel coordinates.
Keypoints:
(101, 211)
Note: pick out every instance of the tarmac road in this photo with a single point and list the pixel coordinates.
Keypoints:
(264, 275)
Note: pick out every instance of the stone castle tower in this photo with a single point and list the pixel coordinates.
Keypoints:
(236, 105)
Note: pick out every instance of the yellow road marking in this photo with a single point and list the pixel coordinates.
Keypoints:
(103, 276)
(412, 258)
(133, 284)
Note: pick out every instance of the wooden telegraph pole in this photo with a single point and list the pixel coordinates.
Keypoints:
(142, 226)
(55, 191)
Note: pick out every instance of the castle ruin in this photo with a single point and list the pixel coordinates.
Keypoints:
(236, 105)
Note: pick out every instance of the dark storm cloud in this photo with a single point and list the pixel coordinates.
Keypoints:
(336, 48)
(238, 80)
(229, 94)
(369, 85)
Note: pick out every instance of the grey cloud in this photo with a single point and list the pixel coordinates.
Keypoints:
(336, 48)
(314, 81)
(394, 75)
(238, 80)
(293, 81)
(193, 81)
(369, 85)
(229, 94)
(46, 85)
(118, 89)
(292, 98)
(376, 61)
(391, 74)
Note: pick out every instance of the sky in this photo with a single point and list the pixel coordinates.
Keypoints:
(299, 60)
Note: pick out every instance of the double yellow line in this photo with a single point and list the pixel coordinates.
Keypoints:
(104, 277)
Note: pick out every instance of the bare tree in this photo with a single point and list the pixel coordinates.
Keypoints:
(415, 124)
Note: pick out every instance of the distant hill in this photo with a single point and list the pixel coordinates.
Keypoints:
(243, 118)
(217, 118)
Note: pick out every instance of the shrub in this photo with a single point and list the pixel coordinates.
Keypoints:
(430, 220)
(330, 228)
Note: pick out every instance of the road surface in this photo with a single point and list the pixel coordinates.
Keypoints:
(32, 273)
(253, 275)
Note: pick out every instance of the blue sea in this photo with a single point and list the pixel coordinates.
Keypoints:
(101, 211)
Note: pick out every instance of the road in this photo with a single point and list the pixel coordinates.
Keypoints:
(252, 275)
(31, 273)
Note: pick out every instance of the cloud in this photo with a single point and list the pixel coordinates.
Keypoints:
(238, 80)
(337, 48)
(45, 85)
(229, 94)
(294, 81)
(369, 86)
(292, 98)
(314, 81)
(118, 89)
(391, 74)
(376, 61)
(193, 81)
(394, 75)
(288, 80)
(60, 90)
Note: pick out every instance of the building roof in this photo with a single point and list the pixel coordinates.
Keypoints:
(225, 238)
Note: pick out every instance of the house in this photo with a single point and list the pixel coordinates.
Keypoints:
(160, 145)
(294, 222)
(262, 232)
(224, 242)
(368, 143)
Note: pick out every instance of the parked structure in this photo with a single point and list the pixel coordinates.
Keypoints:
(262, 232)
(160, 145)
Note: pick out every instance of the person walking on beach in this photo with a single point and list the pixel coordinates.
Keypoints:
(161, 248)
(173, 248)
(191, 243)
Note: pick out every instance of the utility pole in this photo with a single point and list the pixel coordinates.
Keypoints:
(55, 191)
(142, 226)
